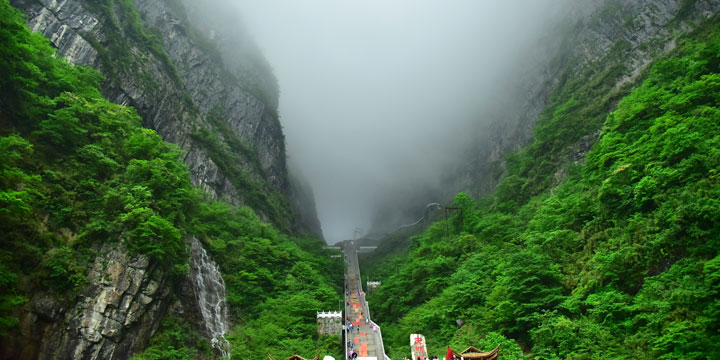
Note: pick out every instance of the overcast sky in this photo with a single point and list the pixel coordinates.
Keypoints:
(376, 93)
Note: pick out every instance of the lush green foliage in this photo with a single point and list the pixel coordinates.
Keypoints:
(78, 172)
(229, 155)
(125, 30)
(275, 283)
(177, 340)
(618, 261)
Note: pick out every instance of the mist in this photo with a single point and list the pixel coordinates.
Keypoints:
(377, 97)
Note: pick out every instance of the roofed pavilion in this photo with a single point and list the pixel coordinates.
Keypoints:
(473, 353)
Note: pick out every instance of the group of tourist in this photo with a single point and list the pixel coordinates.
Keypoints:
(350, 327)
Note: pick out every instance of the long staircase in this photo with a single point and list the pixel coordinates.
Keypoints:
(365, 338)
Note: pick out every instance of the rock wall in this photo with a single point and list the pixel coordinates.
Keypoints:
(176, 90)
(112, 319)
(591, 29)
(303, 203)
(174, 103)
(598, 26)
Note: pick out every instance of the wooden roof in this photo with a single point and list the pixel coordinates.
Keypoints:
(473, 353)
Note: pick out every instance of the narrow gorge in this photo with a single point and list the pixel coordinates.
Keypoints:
(213, 180)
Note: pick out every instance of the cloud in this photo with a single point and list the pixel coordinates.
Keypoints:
(377, 96)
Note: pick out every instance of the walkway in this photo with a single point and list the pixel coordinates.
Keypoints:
(364, 340)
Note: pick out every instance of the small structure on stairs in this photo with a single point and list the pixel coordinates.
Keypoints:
(329, 322)
(372, 285)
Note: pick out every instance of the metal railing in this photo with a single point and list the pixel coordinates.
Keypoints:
(379, 335)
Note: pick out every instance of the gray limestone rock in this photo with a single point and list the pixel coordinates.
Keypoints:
(643, 27)
(178, 101)
(126, 295)
(303, 202)
(113, 318)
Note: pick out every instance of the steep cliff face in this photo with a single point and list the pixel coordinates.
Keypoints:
(179, 89)
(242, 57)
(614, 38)
(115, 317)
(156, 62)
(303, 202)
(603, 44)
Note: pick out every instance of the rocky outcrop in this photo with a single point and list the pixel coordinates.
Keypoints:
(206, 82)
(173, 94)
(303, 204)
(112, 319)
(154, 62)
(644, 28)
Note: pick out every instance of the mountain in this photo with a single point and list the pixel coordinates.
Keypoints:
(591, 229)
(147, 207)
(158, 62)
(608, 46)
(607, 42)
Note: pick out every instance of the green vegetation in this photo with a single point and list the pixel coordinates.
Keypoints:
(229, 154)
(125, 32)
(620, 260)
(116, 53)
(78, 172)
(275, 283)
(176, 340)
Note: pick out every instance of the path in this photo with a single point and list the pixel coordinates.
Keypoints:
(365, 341)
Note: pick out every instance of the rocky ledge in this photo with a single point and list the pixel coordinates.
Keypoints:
(113, 318)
